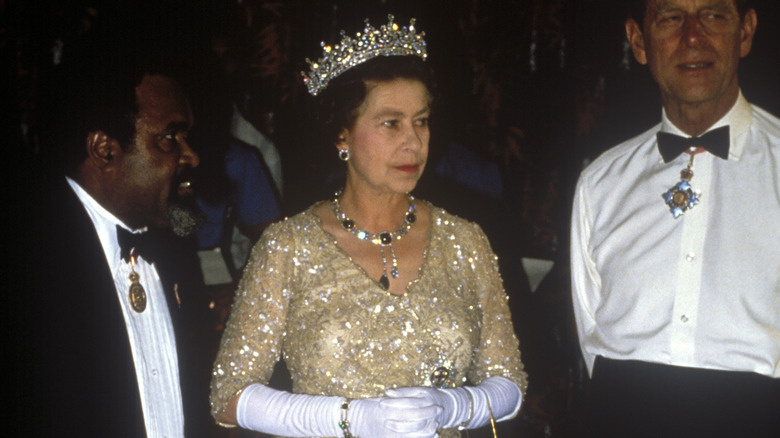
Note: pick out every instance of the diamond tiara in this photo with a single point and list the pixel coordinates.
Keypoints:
(388, 40)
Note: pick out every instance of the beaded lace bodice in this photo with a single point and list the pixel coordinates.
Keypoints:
(302, 298)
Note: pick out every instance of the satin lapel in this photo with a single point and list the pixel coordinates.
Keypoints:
(81, 324)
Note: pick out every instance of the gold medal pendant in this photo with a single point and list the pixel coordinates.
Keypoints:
(682, 197)
(137, 294)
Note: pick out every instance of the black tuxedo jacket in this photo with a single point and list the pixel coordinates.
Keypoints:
(79, 357)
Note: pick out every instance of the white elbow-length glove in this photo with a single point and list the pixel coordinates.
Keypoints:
(467, 407)
(268, 410)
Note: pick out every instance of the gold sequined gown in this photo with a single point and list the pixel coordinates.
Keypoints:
(304, 299)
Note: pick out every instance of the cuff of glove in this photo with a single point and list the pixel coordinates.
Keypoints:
(497, 396)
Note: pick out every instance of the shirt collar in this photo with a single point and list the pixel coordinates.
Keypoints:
(105, 222)
(739, 118)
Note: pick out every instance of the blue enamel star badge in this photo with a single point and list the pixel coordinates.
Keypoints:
(680, 198)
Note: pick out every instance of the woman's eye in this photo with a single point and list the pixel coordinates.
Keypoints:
(390, 123)
(422, 121)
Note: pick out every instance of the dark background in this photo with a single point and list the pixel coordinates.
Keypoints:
(529, 92)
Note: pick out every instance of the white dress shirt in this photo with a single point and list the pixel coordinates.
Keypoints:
(699, 291)
(246, 132)
(150, 332)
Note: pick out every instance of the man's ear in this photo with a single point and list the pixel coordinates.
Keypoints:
(748, 29)
(636, 40)
(101, 149)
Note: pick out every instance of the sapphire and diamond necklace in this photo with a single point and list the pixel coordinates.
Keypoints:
(383, 239)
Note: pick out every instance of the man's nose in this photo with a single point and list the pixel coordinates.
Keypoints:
(188, 155)
(692, 30)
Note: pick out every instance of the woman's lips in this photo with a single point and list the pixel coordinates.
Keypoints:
(408, 168)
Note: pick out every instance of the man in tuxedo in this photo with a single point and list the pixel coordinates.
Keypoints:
(120, 327)
(675, 262)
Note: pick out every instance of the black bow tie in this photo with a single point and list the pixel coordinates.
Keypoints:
(715, 141)
(142, 242)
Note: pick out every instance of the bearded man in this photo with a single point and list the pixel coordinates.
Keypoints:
(119, 329)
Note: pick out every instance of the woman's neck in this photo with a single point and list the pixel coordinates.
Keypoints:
(374, 212)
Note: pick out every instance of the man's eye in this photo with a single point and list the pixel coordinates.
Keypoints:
(423, 121)
(390, 123)
(168, 142)
(670, 18)
(714, 21)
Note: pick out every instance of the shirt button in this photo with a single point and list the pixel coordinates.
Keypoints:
(690, 256)
(154, 372)
(684, 319)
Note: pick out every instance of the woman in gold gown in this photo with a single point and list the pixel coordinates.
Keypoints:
(389, 313)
